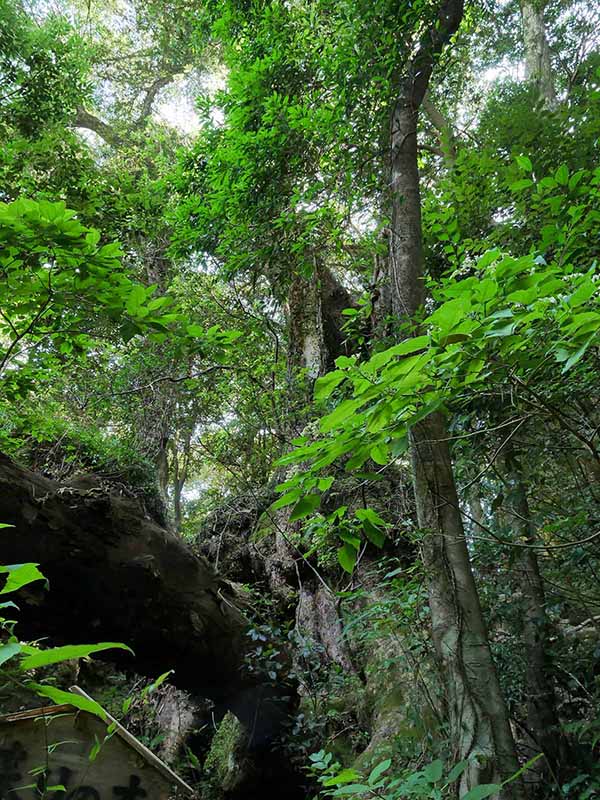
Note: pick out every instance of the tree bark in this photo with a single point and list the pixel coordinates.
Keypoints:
(314, 312)
(538, 67)
(444, 131)
(83, 119)
(542, 716)
(180, 462)
(115, 575)
(476, 709)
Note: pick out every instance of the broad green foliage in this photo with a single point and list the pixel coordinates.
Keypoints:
(512, 319)
(500, 186)
(57, 276)
(275, 188)
(63, 290)
(431, 782)
(44, 70)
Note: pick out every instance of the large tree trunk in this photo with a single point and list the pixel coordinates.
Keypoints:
(477, 712)
(115, 575)
(538, 67)
(315, 340)
(314, 313)
(476, 709)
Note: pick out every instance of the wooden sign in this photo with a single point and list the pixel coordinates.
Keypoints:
(52, 746)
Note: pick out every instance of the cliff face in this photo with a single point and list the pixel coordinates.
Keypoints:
(115, 575)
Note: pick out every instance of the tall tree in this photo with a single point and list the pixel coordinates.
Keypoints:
(478, 713)
(538, 66)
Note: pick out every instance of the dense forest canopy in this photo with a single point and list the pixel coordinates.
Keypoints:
(299, 334)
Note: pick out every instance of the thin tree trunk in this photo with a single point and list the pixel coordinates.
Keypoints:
(444, 131)
(178, 484)
(162, 470)
(542, 716)
(477, 712)
(476, 509)
(538, 67)
(180, 475)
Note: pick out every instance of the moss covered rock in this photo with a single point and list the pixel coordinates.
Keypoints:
(226, 766)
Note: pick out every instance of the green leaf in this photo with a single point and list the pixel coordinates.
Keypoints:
(373, 533)
(6, 525)
(60, 697)
(20, 575)
(136, 297)
(524, 163)
(341, 413)
(518, 186)
(582, 294)
(351, 539)
(434, 771)
(57, 654)
(481, 791)
(488, 258)
(355, 788)
(379, 770)
(347, 556)
(325, 483)
(370, 515)
(380, 418)
(523, 769)
(407, 347)
(457, 770)
(345, 361)
(575, 178)
(305, 506)
(577, 355)
(562, 175)
(95, 749)
(287, 499)
(450, 314)
(345, 776)
(158, 682)
(8, 651)
(324, 386)
(380, 454)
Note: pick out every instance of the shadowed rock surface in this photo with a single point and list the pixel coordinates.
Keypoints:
(115, 575)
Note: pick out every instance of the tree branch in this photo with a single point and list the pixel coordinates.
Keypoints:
(443, 128)
(83, 119)
(150, 97)
(449, 17)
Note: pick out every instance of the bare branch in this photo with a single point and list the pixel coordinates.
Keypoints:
(83, 119)
(150, 97)
(443, 128)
